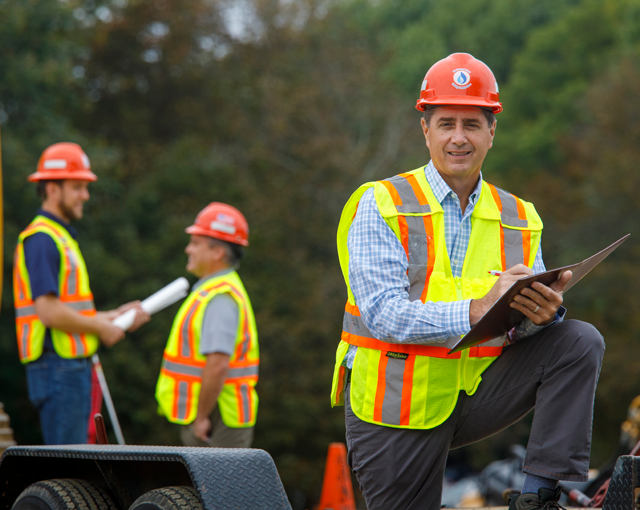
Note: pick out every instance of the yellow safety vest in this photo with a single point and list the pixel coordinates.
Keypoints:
(417, 386)
(73, 291)
(180, 379)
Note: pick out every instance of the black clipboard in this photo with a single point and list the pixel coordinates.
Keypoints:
(501, 317)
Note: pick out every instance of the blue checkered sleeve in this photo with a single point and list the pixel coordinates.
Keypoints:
(378, 279)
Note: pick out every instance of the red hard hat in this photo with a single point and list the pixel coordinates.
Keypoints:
(460, 79)
(63, 161)
(223, 222)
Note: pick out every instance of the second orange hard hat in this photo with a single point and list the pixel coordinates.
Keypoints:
(460, 79)
(63, 161)
(221, 221)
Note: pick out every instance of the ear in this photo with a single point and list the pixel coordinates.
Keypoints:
(219, 253)
(492, 132)
(425, 131)
(53, 190)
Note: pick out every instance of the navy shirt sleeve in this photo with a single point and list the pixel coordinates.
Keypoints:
(43, 264)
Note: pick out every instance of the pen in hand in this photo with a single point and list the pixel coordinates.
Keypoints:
(495, 273)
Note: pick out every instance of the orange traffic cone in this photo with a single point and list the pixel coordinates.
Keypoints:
(337, 491)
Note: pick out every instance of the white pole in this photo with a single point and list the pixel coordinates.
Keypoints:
(107, 399)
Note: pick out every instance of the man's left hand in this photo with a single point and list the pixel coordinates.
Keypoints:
(202, 428)
(141, 318)
(540, 303)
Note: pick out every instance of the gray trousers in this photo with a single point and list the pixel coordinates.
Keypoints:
(555, 371)
(221, 435)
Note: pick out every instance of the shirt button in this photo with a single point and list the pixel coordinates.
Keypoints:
(455, 262)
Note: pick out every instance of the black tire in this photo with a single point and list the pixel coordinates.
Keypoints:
(168, 498)
(63, 494)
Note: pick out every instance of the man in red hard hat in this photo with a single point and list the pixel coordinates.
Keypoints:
(425, 254)
(57, 325)
(210, 365)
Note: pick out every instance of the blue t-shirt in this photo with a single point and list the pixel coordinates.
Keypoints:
(43, 265)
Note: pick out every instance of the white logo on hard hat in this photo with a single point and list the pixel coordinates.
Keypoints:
(55, 164)
(223, 227)
(424, 85)
(461, 78)
(85, 161)
(227, 218)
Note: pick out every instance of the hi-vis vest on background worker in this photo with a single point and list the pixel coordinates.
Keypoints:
(179, 385)
(417, 386)
(60, 161)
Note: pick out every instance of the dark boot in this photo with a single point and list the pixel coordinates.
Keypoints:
(546, 499)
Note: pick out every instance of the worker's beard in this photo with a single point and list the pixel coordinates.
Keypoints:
(68, 212)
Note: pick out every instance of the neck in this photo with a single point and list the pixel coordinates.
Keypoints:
(214, 268)
(54, 209)
(463, 187)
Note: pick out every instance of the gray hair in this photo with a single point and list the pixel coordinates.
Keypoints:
(233, 253)
(431, 108)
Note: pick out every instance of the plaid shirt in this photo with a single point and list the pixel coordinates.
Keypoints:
(379, 282)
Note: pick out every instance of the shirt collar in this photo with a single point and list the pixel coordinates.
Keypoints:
(215, 274)
(441, 189)
(72, 231)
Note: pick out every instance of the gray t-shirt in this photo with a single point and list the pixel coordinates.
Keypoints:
(220, 324)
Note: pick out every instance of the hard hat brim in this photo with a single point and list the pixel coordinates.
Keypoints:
(82, 175)
(199, 231)
(421, 104)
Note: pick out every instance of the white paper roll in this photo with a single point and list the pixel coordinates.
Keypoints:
(165, 297)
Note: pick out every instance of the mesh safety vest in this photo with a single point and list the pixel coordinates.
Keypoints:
(417, 386)
(180, 379)
(73, 291)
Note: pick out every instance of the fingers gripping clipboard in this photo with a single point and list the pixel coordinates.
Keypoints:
(501, 317)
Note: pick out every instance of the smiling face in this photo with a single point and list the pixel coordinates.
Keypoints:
(458, 138)
(204, 258)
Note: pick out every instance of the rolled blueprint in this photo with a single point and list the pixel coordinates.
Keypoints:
(166, 296)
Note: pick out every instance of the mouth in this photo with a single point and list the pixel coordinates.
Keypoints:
(458, 154)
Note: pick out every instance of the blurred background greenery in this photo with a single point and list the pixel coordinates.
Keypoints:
(282, 108)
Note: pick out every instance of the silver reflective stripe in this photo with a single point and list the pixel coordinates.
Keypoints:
(244, 395)
(23, 311)
(80, 305)
(72, 281)
(186, 348)
(242, 372)
(509, 213)
(354, 325)
(407, 209)
(183, 395)
(79, 346)
(180, 368)
(25, 339)
(418, 250)
(392, 404)
(513, 251)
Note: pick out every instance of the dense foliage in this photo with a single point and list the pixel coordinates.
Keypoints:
(284, 118)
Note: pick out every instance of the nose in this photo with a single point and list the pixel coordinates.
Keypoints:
(459, 137)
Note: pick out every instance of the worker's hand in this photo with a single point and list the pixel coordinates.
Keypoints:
(109, 334)
(540, 303)
(202, 428)
(504, 282)
(141, 318)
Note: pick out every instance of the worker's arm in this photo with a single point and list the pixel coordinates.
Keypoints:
(55, 314)
(142, 317)
(213, 376)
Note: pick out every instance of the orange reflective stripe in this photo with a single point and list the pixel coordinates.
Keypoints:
(340, 386)
(381, 386)
(496, 198)
(526, 234)
(422, 350)
(407, 388)
(402, 222)
(428, 227)
(352, 309)
(485, 352)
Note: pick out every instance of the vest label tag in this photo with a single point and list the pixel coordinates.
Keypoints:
(397, 355)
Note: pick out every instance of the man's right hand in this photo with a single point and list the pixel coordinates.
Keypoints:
(481, 306)
(109, 334)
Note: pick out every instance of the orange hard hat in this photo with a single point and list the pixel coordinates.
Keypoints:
(223, 222)
(63, 161)
(460, 79)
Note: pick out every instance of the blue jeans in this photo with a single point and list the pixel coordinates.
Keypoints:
(60, 389)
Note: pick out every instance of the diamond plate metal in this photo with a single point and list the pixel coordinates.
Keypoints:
(625, 479)
(225, 478)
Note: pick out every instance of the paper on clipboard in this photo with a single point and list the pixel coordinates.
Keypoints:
(501, 317)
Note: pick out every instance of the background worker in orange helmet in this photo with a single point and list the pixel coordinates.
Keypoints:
(57, 326)
(210, 365)
(417, 252)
